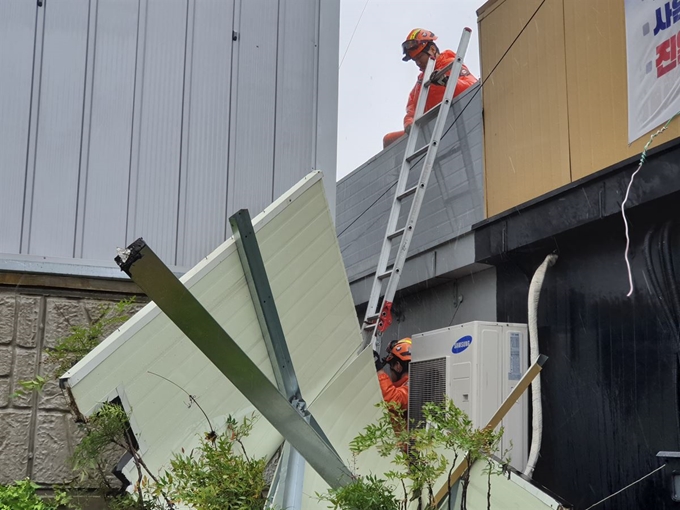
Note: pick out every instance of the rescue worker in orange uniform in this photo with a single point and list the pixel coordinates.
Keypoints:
(394, 386)
(419, 46)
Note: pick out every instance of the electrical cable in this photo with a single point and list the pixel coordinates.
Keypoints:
(669, 272)
(481, 84)
(374, 202)
(628, 486)
(353, 32)
(643, 158)
(655, 282)
(666, 273)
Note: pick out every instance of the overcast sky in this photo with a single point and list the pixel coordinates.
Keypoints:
(374, 82)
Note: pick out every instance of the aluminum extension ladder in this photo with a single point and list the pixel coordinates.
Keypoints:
(379, 318)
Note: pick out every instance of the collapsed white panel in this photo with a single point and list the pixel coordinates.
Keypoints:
(303, 262)
(509, 491)
(343, 410)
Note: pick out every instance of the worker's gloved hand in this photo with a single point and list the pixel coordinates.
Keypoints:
(379, 364)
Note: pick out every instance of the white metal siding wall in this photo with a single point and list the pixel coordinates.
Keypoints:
(128, 118)
(108, 129)
(17, 32)
(52, 213)
(205, 148)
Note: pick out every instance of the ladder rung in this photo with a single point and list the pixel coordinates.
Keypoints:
(370, 326)
(407, 193)
(371, 319)
(432, 112)
(384, 275)
(396, 233)
(417, 153)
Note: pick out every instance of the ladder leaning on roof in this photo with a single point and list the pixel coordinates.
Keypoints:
(379, 318)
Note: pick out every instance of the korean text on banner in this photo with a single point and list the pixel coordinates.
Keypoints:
(653, 53)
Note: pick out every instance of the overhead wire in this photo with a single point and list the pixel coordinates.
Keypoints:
(372, 204)
(627, 486)
(353, 32)
(481, 84)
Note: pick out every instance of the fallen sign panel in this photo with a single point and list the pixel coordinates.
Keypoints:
(308, 281)
(503, 489)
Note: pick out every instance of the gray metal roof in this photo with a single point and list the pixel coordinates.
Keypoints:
(454, 200)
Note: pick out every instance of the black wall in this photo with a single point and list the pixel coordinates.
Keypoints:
(610, 386)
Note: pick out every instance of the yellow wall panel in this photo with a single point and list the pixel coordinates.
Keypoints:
(525, 102)
(595, 35)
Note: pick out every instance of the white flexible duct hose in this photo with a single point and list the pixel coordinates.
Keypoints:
(536, 408)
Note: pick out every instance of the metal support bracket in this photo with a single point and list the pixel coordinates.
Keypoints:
(263, 299)
(144, 267)
(268, 315)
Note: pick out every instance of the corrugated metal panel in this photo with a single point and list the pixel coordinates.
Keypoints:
(499, 486)
(596, 84)
(17, 33)
(139, 108)
(203, 215)
(453, 200)
(154, 187)
(295, 92)
(298, 244)
(344, 409)
(107, 155)
(526, 139)
(57, 160)
(254, 106)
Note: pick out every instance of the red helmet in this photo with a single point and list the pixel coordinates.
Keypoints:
(416, 41)
(400, 350)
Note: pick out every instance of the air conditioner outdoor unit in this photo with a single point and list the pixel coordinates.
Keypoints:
(477, 365)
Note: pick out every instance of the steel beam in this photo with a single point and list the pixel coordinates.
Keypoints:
(263, 299)
(267, 313)
(282, 365)
(174, 299)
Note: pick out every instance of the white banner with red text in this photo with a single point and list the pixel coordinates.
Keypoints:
(653, 55)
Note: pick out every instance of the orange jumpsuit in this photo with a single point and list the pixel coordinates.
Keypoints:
(394, 392)
(436, 94)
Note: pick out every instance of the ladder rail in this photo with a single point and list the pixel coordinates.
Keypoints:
(430, 158)
(372, 330)
(396, 206)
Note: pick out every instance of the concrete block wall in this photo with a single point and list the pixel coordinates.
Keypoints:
(37, 432)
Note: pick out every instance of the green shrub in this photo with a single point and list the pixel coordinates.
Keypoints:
(365, 493)
(21, 495)
(219, 475)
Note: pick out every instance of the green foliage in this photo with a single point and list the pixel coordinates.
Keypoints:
(62, 499)
(219, 475)
(106, 432)
(129, 502)
(21, 495)
(71, 349)
(365, 493)
(454, 430)
(107, 436)
(416, 451)
(83, 339)
(29, 386)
